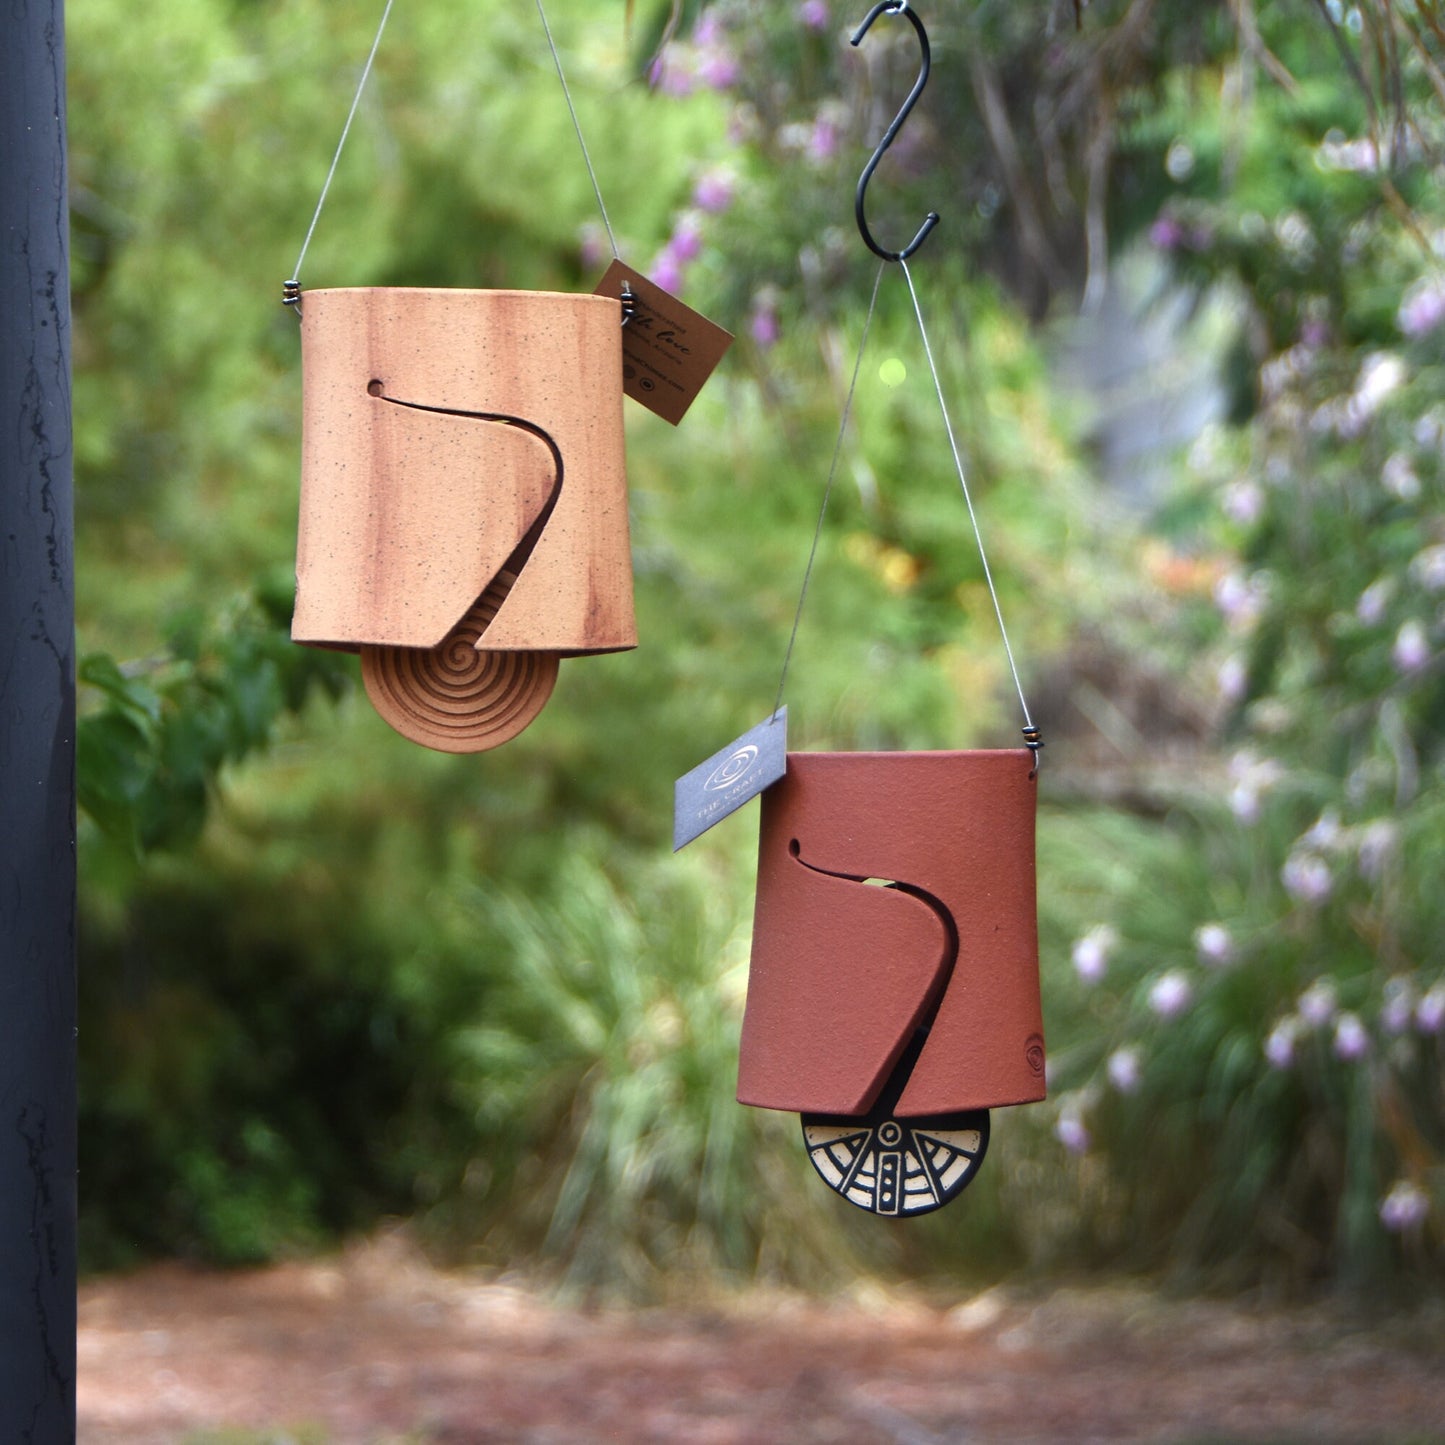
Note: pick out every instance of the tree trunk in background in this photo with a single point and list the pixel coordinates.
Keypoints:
(37, 741)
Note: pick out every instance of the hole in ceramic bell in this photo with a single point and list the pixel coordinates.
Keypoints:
(936, 973)
(463, 519)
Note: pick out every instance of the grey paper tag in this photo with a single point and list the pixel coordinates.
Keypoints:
(668, 349)
(729, 778)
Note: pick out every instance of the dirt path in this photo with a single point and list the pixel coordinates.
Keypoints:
(376, 1347)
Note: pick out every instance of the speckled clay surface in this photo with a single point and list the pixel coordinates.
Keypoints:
(408, 512)
(843, 971)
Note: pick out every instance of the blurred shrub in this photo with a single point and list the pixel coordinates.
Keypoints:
(603, 1080)
(327, 976)
(1264, 1083)
(155, 733)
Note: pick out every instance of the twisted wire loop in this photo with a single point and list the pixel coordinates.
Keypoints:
(1034, 742)
(454, 698)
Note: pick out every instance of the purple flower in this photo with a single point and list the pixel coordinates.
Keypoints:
(1317, 1003)
(1422, 310)
(1412, 646)
(814, 14)
(1214, 944)
(1279, 1046)
(685, 244)
(1373, 601)
(1123, 1069)
(1277, 376)
(1072, 1134)
(1399, 1006)
(1091, 953)
(1239, 600)
(1307, 878)
(1378, 841)
(666, 272)
(1430, 1011)
(1325, 832)
(1232, 678)
(1167, 234)
(1428, 567)
(763, 324)
(1404, 1207)
(823, 142)
(1352, 1040)
(1243, 502)
(1252, 777)
(714, 191)
(1295, 235)
(719, 70)
(1244, 802)
(1179, 160)
(1170, 994)
(1380, 375)
(1398, 477)
(670, 73)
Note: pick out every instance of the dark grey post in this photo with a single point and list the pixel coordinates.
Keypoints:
(37, 740)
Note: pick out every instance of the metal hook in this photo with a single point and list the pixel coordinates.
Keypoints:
(893, 7)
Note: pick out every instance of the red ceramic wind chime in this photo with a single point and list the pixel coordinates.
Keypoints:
(463, 514)
(893, 993)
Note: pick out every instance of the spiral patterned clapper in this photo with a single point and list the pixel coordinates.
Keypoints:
(454, 698)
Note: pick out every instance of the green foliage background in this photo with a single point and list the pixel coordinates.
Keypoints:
(328, 976)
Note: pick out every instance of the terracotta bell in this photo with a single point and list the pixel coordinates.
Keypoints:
(893, 995)
(463, 517)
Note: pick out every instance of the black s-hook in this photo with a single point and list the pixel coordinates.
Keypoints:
(893, 7)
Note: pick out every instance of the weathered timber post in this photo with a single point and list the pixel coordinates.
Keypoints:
(37, 740)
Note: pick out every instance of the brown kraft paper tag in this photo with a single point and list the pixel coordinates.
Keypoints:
(668, 350)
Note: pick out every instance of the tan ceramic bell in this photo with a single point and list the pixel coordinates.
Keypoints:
(463, 517)
(893, 996)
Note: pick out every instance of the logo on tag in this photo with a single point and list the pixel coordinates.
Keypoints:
(733, 769)
(729, 778)
(668, 349)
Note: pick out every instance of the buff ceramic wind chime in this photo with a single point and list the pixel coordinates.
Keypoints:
(891, 1018)
(463, 516)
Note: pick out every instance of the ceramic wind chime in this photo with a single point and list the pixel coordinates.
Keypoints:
(463, 514)
(893, 992)
(463, 499)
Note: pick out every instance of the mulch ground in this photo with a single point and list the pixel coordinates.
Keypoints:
(375, 1346)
